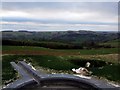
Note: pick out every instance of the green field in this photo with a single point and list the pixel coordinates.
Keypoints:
(22, 48)
(113, 43)
(111, 72)
(62, 60)
(74, 51)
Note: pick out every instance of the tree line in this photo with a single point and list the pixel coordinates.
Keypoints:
(55, 45)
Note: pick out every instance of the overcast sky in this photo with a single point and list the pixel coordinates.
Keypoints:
(52, 16)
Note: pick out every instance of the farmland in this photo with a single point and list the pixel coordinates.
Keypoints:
(113, 43)
(63, 60)
(55, 54)
(41, 50)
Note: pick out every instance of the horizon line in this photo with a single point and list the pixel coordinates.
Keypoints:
(56, 30)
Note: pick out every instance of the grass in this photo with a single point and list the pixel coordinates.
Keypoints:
(52, 62)
(46, 51)
(110, 72)
(22, 48)
(7, 70)
(62, 60)
(113, 43)
(96, 51)
(113, 58)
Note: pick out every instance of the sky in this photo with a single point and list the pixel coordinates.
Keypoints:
(59, 16)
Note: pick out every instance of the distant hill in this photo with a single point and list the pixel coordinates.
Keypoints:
(112, 43)
(61, 36)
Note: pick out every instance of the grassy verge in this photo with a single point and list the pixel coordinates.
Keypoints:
(110, 72)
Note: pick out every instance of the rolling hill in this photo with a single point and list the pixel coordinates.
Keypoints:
(61, 36)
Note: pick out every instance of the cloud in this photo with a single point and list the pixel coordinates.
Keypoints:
(60, 1)
(54, 13)
(53, 21)
(61, 27)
